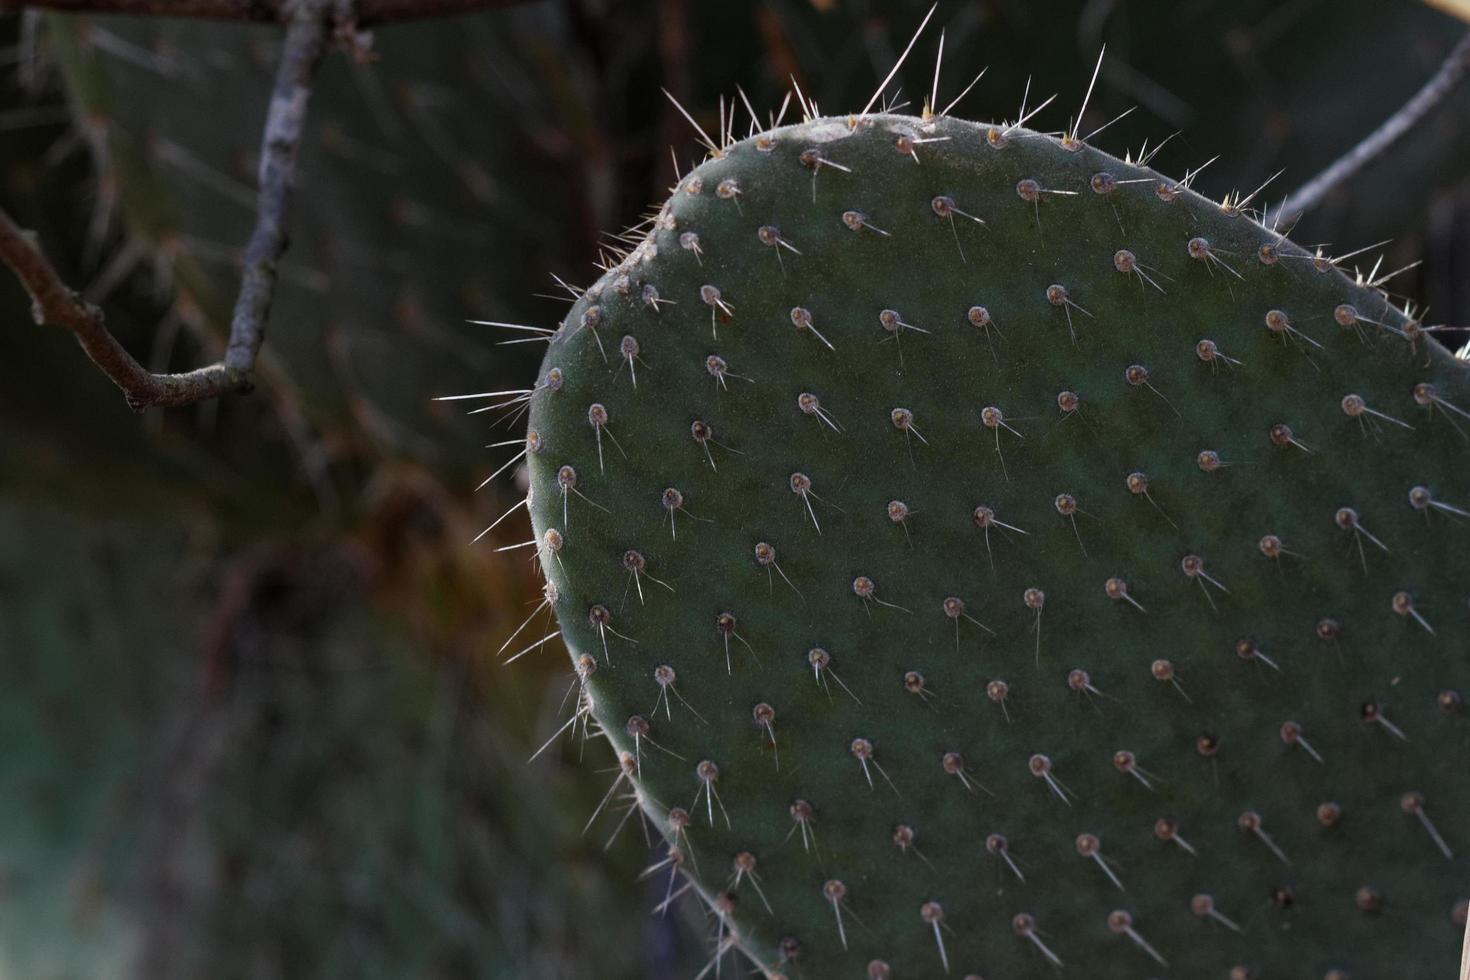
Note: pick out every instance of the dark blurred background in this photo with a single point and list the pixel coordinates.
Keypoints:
(252, 720)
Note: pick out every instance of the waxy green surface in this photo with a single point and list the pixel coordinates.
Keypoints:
(1193, 674)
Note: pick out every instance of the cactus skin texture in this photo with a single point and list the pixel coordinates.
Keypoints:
(1307, 843)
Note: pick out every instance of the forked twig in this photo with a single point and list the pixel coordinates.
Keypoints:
(53, 302)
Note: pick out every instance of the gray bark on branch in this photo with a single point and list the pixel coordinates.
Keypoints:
(306, 41)
(1434, 93)
(54, 303)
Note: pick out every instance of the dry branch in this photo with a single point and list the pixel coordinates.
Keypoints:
(368, 13)
(1439, 88)
(54, 303)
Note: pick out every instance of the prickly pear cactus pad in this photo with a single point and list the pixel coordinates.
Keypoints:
(989, 557)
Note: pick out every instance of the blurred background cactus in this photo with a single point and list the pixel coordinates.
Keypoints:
(253, 721)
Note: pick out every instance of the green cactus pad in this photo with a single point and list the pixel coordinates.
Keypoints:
(1028, 564)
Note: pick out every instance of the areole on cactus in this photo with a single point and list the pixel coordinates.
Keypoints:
(989, 557)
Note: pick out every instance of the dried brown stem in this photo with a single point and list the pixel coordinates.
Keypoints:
(52, 302)
(368, 12)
